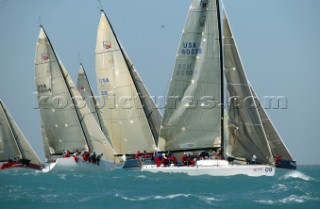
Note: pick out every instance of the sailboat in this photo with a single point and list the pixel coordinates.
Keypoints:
(68, 126)
(85, 90)
(194, 120)
(15, 151)
(129, 113)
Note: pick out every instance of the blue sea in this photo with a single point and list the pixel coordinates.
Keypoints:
(135, 189)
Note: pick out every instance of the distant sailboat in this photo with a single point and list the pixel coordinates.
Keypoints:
(131, 116)
(15, 151)
(194, 120)
(66, 122)
(85, 90)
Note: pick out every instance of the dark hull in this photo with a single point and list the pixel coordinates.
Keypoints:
(286, 164)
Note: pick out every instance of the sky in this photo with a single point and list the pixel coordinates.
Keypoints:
(277, 40)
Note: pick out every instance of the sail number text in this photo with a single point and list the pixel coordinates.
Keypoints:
(190, 48)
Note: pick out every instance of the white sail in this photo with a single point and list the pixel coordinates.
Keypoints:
(67, 122)
(121, 108)
(152, 112)
(13, 143)
(90, 100)
(277, 146)
(192, 116)
(59, 118)
(246, 132)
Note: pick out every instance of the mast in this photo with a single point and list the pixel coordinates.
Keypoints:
(68, 87)
(222, 77)
(11, 129)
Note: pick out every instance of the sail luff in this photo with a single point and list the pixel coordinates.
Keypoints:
(246, 133)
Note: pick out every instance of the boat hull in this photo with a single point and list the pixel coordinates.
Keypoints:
(71, 165)
(136, 163)
(17, 165)
(214, 168)
(287, 164)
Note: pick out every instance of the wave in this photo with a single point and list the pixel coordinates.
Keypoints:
(209, 200)
(62, 176)
(154, 197)
(288, 200)
(297, 174)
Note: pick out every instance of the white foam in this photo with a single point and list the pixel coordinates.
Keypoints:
(279, 187)
(208, 200)
(288, 200)
(171, 196)
(156, 197)
(297, 174)
(62, 176)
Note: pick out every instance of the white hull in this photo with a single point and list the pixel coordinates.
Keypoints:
(70, 165)
(214, 168)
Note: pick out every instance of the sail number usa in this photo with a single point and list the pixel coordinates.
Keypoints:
(43, 88)
(190, 48)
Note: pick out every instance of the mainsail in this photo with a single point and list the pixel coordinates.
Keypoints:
(90, 100)
(13, 143)
(67, 122)
(192, 116)
(247, 136)
(130, 125)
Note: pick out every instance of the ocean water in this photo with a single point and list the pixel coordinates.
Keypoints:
(135, 189)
